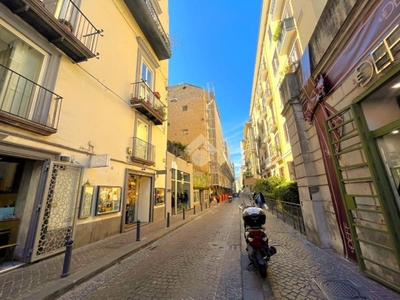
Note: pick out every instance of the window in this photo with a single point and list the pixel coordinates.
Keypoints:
(17, 89)
(275, 63)
(269, 34)
(185, 131)
(141, 146)
(24, 67)
(184, 108)
(295, 53)
(145, 73)
(159, 196)
(146, 78)
(286, 131)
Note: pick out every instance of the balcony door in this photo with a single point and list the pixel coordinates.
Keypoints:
(146, 75)
(142, 134)
(20, 67)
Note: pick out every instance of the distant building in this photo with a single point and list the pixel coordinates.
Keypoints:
(194, 121)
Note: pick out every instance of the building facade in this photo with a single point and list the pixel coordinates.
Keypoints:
(266, 145)
(343, 107)
(193, 121)
(82, 140)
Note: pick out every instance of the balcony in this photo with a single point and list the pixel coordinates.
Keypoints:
(286, 37)
(147, 19)
(27, 105)
(70, 31)
(143, 152)
(144, 100)
(272, 126)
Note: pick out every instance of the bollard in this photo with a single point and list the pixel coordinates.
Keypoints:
(168, 219)
(68, 255)
(183, 213)
(138, 231)
(194, 209)
(201, 206)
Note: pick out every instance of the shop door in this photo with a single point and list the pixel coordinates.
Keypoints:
(58, 209)
(363, 187)
(138, 199)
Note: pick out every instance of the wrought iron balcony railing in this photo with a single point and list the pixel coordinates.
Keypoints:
(143, 152)
(64, 25)
(148, 103)
(25, 104)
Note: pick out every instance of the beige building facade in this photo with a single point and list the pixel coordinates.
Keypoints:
(194, 122)
(342, 103)
(82, 120)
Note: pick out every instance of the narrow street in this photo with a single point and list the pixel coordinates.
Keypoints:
(201, 260)
(206, 259)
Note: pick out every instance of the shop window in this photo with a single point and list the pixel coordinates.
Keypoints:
(389, 147)
(159, 196)
(196, 196)
(10, 176)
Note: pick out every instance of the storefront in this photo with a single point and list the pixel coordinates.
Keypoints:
(139, 196)
(354, 107)
(179, 193)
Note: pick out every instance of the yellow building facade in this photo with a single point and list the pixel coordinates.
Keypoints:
(284, 27)
(83, 109)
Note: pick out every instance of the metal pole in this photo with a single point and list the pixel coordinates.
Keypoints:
(183, 213)
(194, 209)
(201, 206)
(138, 231)
(168, 219)
(67, 259)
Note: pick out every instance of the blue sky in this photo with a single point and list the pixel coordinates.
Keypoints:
(214, 46)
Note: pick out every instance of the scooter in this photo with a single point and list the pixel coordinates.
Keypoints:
(258, 251)
(230, 198)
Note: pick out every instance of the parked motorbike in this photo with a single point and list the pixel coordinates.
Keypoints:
(258, 251)
(230, 198)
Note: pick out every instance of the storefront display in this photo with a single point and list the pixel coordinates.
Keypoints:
(108, 200)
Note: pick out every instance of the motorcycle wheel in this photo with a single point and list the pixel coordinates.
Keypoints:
(263, 270)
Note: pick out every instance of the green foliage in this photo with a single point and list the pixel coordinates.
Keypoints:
(289, 192)
(277, 32)
(269, 186)
(66, 23)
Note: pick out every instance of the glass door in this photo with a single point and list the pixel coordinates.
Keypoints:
(132, 193)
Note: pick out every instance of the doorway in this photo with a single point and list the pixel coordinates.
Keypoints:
(138, 199)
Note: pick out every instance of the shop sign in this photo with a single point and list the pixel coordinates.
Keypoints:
(381, 57)
(98, 161)
(369, 50)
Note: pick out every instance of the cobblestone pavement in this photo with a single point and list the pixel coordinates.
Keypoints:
(198, 261)
(204, 252)
(300, 269)
(42, 280)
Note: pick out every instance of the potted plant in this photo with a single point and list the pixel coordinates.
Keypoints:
(157, 95)
(67, 24)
